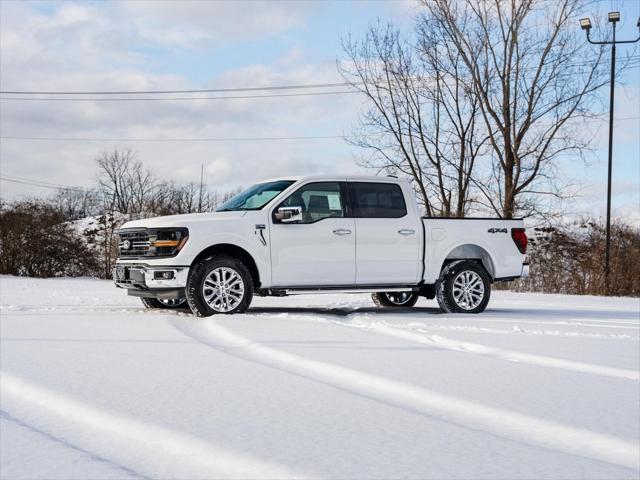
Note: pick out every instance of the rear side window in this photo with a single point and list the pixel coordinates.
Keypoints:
(377, 200)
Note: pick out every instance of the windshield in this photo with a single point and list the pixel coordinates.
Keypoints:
(255, 197)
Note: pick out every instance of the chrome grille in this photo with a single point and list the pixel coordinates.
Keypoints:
(133, 243)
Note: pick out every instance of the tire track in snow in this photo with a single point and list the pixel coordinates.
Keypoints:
(478, 328)
(517, 330)
(152, 449)
(494, 352)
(124, 472)
(496, 421)
(560, 323)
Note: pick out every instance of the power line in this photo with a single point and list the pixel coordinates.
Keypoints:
(37, 183)
(220, 139)
(14, 177)
(216, 139)
(210, 90)
(134, 99)
(246, 89)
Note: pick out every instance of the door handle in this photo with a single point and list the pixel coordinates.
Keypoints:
(342, 231)
(406, 231)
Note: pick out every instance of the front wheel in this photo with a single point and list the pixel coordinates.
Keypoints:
(463, 287)
(221, 284)
(166, 303)
(394, 299)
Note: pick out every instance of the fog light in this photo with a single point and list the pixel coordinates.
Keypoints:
(163, 275)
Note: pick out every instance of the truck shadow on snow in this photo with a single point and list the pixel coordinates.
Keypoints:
(541, 313)
(345, 311)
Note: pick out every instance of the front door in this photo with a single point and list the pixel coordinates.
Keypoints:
(319, 249)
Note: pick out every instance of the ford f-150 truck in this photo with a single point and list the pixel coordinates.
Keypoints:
(318, 234)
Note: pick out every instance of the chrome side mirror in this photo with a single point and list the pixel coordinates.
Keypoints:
(289, 214)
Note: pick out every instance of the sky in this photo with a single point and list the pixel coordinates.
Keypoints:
(179, 45)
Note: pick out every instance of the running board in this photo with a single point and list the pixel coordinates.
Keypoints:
(299, 291)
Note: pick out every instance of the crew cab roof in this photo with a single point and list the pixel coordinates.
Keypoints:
(351, 178)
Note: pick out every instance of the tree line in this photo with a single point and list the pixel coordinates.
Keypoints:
(566, 259)
(74, 231)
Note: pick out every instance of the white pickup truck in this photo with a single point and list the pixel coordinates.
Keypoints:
(313, 235)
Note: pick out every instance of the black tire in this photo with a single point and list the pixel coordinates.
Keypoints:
(169, 304)
(196, 286)
(394, 299)
(443, 302)
(452, 281)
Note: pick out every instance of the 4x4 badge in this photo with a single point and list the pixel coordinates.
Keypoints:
(497, 230)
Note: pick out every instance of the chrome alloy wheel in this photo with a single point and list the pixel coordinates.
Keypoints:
(399, 298)
(223, 289)
(468, 290)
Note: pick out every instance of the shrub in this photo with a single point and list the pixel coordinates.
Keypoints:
(36, 240)
(570, 260)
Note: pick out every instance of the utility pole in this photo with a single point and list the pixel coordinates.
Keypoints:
(200, 196)
(585, 24)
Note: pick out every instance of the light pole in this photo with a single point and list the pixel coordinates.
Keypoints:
(585, 24)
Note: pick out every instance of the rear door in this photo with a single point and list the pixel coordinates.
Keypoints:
(388, 239)
(318, 250)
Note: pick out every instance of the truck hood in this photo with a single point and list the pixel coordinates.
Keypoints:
(184, 220)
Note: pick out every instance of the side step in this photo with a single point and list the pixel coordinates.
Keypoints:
(325, 290)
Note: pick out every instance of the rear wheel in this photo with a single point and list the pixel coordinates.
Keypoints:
(395, 299)
(167, 303)
(221, 284)
(464, 287)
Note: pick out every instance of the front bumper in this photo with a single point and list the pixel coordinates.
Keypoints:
(151, 281)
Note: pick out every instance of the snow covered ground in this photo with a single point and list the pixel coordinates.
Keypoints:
(94, 386)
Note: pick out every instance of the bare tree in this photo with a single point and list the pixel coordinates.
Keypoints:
(532, 75)
(112, 179)
(76, 204)
(456, 109)
(192, 198)
(142, 185)
(124, 184)
(170, 198)
(421, 122)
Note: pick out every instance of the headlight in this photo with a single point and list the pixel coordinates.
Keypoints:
(167, 242)
(151, 242)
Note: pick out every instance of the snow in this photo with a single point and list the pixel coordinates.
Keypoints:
(92, 385)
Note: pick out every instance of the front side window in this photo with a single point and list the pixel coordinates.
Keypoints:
(255, 197)
(317, 201)
(377, 200)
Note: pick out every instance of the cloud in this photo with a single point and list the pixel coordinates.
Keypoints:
(189, 23)
(98, 47)
(124, 45)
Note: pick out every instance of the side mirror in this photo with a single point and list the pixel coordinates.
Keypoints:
(289, 214)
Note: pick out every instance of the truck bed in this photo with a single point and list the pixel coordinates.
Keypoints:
(486, 239)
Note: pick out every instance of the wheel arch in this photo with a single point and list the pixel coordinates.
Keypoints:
(471, 251)
(234, 251)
